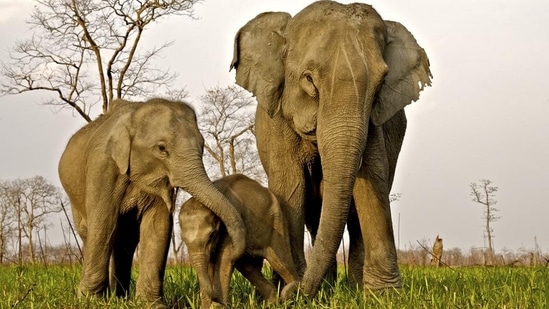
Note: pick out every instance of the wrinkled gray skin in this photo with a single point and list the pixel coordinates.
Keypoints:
(210, 247)
(119, 172)
(331, 84)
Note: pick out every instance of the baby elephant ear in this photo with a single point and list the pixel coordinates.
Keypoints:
(408, 73)
(258, 58)
(119, 144)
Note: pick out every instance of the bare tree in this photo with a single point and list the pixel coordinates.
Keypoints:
(177, 246)
(227, 123)
(33, 199)
(483, 193)
(85, 52)
(8, 218)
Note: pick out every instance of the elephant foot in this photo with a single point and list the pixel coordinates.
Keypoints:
(97, 291)
(289, 291)
(151, 295)
(355, 278)
(216, 305)
(381, 283)
(156, 304)
(270, 297)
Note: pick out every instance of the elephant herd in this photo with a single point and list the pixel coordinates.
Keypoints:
(331, 85)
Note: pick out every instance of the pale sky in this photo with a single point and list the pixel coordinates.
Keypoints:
(485, 116)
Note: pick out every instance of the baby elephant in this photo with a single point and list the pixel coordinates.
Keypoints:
(210, 247)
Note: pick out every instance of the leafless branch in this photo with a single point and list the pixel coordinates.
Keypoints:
(72, 231)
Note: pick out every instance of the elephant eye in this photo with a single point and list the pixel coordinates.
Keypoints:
(307, 84)
(162, 149)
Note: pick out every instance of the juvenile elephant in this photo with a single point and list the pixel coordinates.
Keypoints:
(266, 237)
(331, 84)
(119, 172)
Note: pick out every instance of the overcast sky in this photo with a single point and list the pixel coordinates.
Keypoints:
(485, 116)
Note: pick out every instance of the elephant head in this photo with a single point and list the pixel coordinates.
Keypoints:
(159, 147)
(325, 54)
(331, 73)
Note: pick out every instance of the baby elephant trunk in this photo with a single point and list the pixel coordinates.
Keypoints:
(197, 183)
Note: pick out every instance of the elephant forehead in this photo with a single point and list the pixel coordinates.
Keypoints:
(163, 111)
(319, 13)
(314, 42)
(166, 123)
(333, 9)
(197, 221)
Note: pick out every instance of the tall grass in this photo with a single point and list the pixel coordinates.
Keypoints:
(423, 287)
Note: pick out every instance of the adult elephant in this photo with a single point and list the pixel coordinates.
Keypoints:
(120, 172)
(331, 84)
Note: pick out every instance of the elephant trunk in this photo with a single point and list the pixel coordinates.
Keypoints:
(342, 139)
(195, 181)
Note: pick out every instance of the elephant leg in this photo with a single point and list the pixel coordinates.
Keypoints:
(123, 249)
(250, 267)
(282, 159)
(281, 261)
(224, 267)
(155, 230)
(279, 253)
(380, 259)
(356, 249)
(291, 192)
(291, 195)
(80, 225)
(98, 237)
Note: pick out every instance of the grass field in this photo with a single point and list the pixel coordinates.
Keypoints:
(479, 287)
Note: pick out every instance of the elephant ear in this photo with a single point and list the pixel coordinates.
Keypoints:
(408, 73)
(119, 144)
(258, 58)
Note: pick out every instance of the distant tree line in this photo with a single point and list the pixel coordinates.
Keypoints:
(26, 210)
(416, 255)
(30, 207)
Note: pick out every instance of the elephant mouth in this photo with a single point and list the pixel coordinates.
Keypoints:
(308, 135)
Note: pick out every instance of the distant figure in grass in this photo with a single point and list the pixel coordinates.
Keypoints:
(437, 252)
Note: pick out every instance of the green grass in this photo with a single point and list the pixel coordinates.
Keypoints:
(423, 287)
